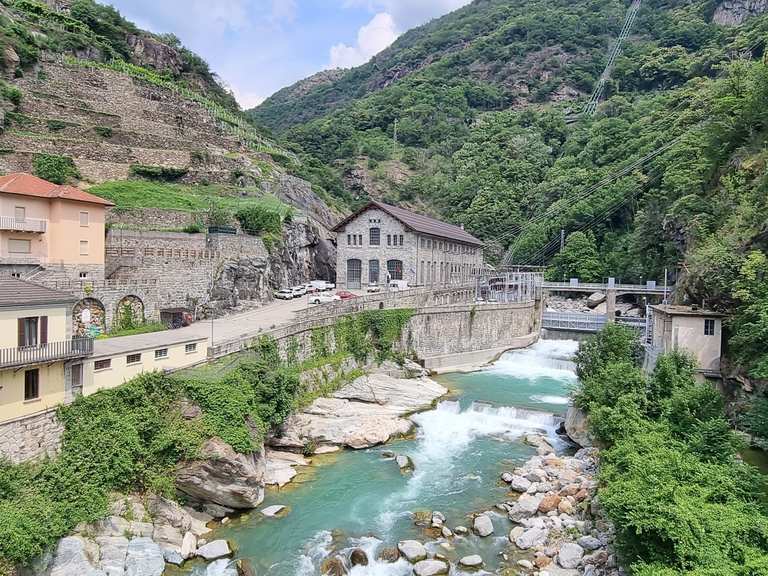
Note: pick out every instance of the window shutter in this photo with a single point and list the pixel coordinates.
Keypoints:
(43, 329)
(21, 332)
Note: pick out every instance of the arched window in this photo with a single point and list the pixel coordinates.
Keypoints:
(395, 269)
(374, 236)
(373, 272)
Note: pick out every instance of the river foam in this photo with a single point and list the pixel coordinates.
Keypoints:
(545, 359)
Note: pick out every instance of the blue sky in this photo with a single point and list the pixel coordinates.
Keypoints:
(260, 46)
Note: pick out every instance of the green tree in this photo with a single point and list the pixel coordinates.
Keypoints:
(578, 259)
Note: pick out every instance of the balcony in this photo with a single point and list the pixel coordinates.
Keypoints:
(50, 352)
(26, 225)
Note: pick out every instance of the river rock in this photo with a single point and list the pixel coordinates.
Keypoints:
(412, 550)
(589, 543)
(271, 511)
(549, 502)
(430, 568)
(483, 525)
(404, 462)
(520, 484)
(280, 467)
(446, 532)
(460, 530)
(173, 557)
(144, 558)
(223, 477)
(214, 550)
(368, 411)
(507, 477)
(570, 555)
(532, 537)
(525, 507)
(71, 559)
(188, 545)
(358, 557)
(472, 561)
(595, 299)
(389, 554)
(333, 566)
(577, 427)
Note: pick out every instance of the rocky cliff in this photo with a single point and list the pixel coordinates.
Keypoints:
(735, 12)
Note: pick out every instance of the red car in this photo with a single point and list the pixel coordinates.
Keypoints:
(345, 295)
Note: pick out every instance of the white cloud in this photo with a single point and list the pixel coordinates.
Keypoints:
(410, 13)
(246, 99)
(372, 38)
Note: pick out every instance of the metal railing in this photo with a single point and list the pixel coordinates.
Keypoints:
(50, 352)
(26, 225)
(586, 322)
(650, 287)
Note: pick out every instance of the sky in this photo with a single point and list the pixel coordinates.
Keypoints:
(259, 46)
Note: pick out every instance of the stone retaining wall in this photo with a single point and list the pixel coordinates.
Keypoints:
(31, 438)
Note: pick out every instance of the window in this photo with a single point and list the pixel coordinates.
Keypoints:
(395, 269)
(709, 327)
(83, 247)
(373, 272)
(102, 364)
(15, 274)
(84, 219)
(133, 359)
(161, 353)
(389, 240)
(28, 331)
(83, 275)
(422, 242)
(190, 348)
(374, 236)
(401, 239)
(20, 213)
(19, 246)
(31, 384)
(349, 239)
(360, 239)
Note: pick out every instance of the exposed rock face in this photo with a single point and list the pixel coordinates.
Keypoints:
(144, 558)
(577, 428)
(152, 53)
(72, 559)
(735, 12)
(223, 476)
(366, 412)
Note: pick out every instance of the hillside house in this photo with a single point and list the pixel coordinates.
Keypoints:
(380, 243)
(45, 225)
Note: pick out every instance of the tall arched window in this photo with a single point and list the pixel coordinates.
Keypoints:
(373, 272)
(395, 269)
(354, 274)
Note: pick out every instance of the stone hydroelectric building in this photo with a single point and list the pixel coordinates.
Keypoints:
(380, 243)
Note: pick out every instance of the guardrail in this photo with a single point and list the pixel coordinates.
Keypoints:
(26, 225)
(586, 322)
(576, 286)
(50, 352)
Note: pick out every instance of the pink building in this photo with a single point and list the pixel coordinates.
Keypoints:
(50, 226)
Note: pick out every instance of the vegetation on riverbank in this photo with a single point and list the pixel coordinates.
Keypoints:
(130, 438)
(680, 499)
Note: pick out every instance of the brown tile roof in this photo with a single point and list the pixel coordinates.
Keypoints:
(678, 310)
(15, 292)
(28, 185)
(417, 223)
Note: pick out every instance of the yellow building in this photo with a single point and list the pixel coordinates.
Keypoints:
(41, 366)
(52, 226)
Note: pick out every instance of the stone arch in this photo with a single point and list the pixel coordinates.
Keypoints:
(88, 317)
(129, 312)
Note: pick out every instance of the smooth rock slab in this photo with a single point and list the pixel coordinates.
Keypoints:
(430, 568)
(221, 567)
(570, 555)
(144, 558)
(525, 507)
(413, 550)
(532, 537)
(214, 550)
(188, 545)
(472, 561)
(483, 525)
(71, 560)
(271, 511)
(113, 550)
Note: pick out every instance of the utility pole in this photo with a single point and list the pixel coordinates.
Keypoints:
(562, 239)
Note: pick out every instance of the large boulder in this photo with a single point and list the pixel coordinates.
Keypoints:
(144, 558)
(570, 555)
(223, 477)
(577, 427)
(112, 553)
(525, 507)
(482, 525)
(214, 550)
(412, 550)
(595, 299)
(72, 559)
(532, 537)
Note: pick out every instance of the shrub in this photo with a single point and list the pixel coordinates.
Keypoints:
(57, 125)
(264, 217)
(10, 93)
(193, 228)
(160, 173)
(218, 215)
(103, 131)
(612, 343)
(56, 169)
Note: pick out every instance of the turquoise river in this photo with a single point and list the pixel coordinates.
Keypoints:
(460, 448)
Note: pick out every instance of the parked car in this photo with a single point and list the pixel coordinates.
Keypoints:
(322, 285)
(284, 294)
(397, 285)
(311, 288)
(323, 298)
(373, 288)
(345, 295)
(298, 291)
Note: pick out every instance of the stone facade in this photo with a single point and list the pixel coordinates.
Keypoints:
(31, 438)
(400, 254)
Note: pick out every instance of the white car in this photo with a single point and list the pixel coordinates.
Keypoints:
(373, 288)
(311, 288)
(298, 291)
(321, 298)
(322, 285)
(284, 294)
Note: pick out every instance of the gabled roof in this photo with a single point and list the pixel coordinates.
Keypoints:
(15, 293)
(416, 222)
(27, 185)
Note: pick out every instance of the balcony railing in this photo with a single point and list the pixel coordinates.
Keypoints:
(50, 352)
(26, 225)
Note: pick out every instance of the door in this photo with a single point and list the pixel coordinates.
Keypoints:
(354, 274)
(75, 387)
